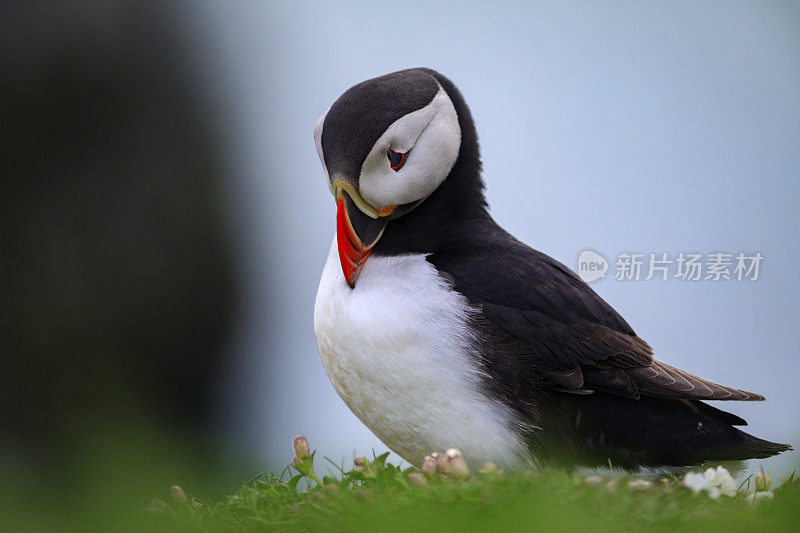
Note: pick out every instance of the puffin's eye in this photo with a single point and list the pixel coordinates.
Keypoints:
(396, 159)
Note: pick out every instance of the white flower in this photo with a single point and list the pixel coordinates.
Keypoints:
(695, 481)
(721, 479)
(758, 496)
(714, 481)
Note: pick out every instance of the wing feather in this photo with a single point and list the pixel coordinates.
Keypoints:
(562, 330)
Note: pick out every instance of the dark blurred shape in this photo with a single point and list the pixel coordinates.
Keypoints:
(115, 274)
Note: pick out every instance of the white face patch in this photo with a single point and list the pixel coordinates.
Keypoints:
(431, 137)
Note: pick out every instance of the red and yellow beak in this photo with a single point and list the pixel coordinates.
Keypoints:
(358, 228)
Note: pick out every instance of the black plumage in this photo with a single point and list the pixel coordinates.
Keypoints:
(585, 387)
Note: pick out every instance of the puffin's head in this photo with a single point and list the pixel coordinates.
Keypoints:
(386, 144)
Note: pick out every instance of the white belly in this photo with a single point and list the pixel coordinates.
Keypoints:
(398, 352)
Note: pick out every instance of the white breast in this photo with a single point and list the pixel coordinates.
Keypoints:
(397, 349)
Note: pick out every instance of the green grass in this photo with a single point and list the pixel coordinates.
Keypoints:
(378, 496)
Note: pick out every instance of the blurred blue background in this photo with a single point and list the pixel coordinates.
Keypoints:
(166, 220)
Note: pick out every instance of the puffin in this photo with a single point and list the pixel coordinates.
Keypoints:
(440, 330)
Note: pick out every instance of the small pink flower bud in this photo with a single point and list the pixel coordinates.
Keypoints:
(458, 467)
(360, 461)
(428, 466)
(300, 445)
(489, 468)
(763, 481)
(441, 463)
(639, 485)
(416, 479)
(177, 494)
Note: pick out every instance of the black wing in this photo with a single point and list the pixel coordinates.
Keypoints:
(561, 328)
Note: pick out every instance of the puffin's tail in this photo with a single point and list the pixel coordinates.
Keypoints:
(733, 443)
(656, 432)
(747, 446)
